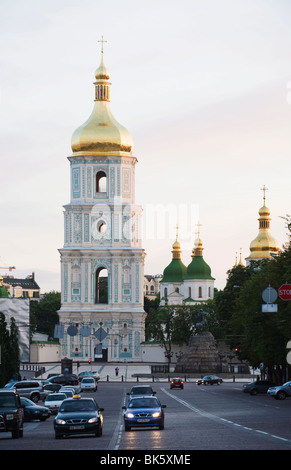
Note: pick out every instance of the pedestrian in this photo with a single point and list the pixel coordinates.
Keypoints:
(116, 371)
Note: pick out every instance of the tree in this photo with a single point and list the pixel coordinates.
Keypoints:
(43, 314)
(264, 336)
(9, 350)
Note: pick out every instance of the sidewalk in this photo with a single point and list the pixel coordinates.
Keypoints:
(129, 372)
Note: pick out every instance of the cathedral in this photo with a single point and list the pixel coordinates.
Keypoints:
(102, 260)
(186, 285)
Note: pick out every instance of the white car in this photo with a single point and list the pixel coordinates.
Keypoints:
(88, 383)
(54, 400)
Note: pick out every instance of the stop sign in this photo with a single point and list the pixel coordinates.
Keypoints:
(285, 292)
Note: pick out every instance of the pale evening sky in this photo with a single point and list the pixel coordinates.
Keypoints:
(204, 88)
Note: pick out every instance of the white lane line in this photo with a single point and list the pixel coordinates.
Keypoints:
(217, 418)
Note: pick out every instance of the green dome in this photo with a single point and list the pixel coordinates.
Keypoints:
(3, 292)
(175, 272)
(198, 269)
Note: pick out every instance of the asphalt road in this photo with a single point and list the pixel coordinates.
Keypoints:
(218, 417)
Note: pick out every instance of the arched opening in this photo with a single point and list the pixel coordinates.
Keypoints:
(199, 292)
(101, 182)
(101, 286)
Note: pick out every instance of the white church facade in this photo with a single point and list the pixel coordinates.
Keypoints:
(102, 260)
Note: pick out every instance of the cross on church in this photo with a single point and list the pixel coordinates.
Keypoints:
(264, 189)
(198, 225)
(177, 228)
(102, 42)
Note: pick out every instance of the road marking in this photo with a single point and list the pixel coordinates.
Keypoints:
(116, 437)
(217, 418)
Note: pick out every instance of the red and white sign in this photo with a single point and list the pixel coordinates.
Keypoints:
(285, 292)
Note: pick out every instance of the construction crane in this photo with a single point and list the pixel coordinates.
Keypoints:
(9, 267)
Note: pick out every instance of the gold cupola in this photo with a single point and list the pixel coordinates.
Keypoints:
(264, 246)
(101, 134)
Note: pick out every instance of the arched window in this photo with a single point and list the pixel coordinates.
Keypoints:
(189, 292)
(166, 292)
(200, 292)
(101, 286)
(101, 182)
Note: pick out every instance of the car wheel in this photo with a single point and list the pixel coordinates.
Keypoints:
(99, 432)
(162, 426)
(253, 392)
(280, 395)
(127, 428)
(58, 436)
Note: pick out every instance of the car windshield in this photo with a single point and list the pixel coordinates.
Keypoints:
(56, 397)
(88, 381)
(7, 400)
(140, 390)
(144, 403)
(78, 405)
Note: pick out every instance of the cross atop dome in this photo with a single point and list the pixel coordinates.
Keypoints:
(102, 42)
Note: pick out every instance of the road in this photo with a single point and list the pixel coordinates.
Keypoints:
(218, 417)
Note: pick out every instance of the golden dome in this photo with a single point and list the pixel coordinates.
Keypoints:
(264, 245)
(101, 134)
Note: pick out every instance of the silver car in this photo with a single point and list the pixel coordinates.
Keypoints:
(32, 389)
(280, 392)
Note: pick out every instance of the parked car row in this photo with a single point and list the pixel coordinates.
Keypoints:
(279, 392)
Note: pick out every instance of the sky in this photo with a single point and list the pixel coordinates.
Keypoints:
(204, 88)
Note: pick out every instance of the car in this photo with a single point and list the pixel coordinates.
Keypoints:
(177, 383)
(11, 413)
(68, 392)
(32, 389)
(53, 401)
(78, 416)
(74, 388)
(143, 411)
(281, 391)
(258, 386)
(49, 388)
(141, 390)
(88, 373)
(33, 411)
(64, 379)
(88, 383)
(209, 379)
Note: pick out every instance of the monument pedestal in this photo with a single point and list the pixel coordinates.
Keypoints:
(201, 356)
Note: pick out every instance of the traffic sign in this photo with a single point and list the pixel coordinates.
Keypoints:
(269, 295)
(285, 292)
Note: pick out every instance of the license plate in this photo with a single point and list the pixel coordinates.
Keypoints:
(77, 427)
(143, 420)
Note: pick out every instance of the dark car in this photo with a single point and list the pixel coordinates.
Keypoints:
(11, 413)
(177, 383)
(64, 379)
(141, 390)
(259, 386)
(281, 391)
(143, 411)
(209, 380)
(33, 411)
(78, 416)
(50, 388)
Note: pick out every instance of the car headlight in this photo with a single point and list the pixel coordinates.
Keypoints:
(129, 415)
(93, 420)
(156, 414)
(60, 421)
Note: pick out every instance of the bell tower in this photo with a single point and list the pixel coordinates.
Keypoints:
(102, 260)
